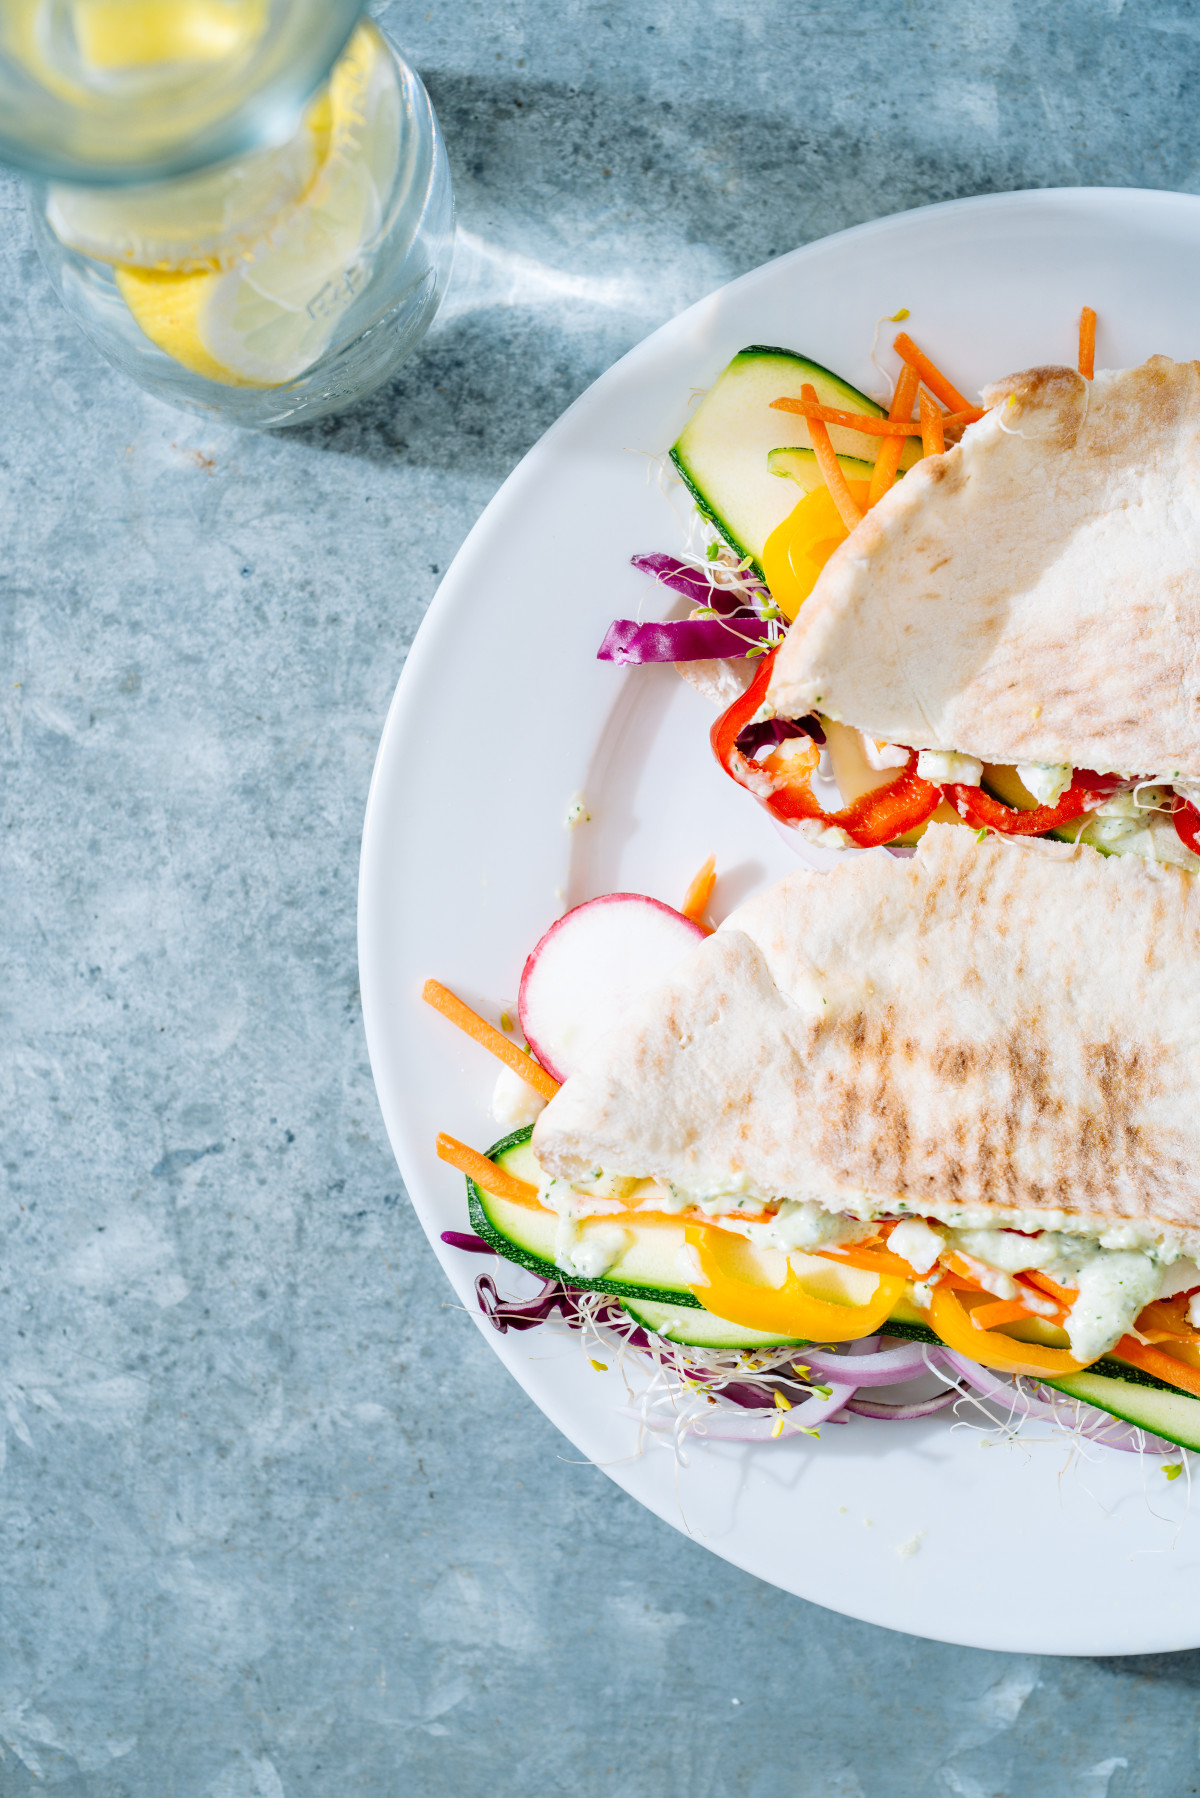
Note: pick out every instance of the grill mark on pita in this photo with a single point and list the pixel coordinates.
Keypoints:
(1101, 1149)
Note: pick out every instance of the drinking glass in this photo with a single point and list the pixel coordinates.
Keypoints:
(245, 204)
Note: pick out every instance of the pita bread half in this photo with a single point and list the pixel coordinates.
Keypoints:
(986, 1034)
(1034, 594)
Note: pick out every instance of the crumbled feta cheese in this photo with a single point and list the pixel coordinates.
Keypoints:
(1046, 781)
(882, 755)
(792, 748)
(915, 1242)
(577, 812)
(514, 1102)
(944, 768)
(823, 836)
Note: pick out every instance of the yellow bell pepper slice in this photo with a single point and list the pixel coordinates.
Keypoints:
(797, 550)
(788, 1309)
(952, 1321)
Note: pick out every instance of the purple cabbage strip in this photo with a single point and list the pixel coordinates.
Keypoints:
(471, 1245)
(682, 640)
(694, 585)
(777, 730)
(689, 639)
(522, 1314)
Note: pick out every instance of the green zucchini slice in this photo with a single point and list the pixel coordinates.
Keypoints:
(647, 1270)
(700, 1329)
(1162, 1410)
(795, 463)
(722, 453)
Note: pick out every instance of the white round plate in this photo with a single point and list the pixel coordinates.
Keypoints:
(503, 713)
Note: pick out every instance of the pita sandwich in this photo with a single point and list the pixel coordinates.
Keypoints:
(1033, 595)
(991, 1038)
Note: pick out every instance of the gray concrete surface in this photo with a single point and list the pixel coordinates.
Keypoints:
(248, 1548)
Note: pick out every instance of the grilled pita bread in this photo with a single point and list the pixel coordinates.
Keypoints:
(1034, 594)
(987, 1033)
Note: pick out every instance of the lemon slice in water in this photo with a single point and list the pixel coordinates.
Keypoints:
(202, 221)
(269, 317)
(272, 315)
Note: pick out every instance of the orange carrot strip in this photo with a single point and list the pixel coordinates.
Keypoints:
(1004, 1311)
(830, 467)
(887, 462)
(1064, 1294)
(961, 1270)
(485, 1173)
(849, 421)
(932, 376)
(531, 1071)
(874, 1261)
(700, 891)
(871, 427)
(956, 1282)
(1087, 343)
(933, 431)
(1158, 1362)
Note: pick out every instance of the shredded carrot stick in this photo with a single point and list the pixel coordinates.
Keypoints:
(1064, 1294)
(933, 431)
(932, 376)
(869, 426)
(872, 1261)
(700, 891)
(1158, 1362)
(531, 1071)
(485, 1173)
(887, 462)
(1004, 1311)
(1087, 343)
(849, 421)
(830, 467)
(960, 1283)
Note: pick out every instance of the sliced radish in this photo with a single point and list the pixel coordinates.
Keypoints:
(590, 965)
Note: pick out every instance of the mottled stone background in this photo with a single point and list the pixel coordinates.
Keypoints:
(250, 1546)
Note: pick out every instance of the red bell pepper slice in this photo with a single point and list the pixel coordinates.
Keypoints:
(878, 817)
(979, 808)
(1187, 825)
